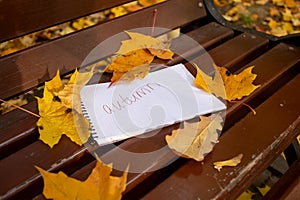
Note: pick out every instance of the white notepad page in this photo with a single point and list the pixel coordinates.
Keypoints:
(129, 109)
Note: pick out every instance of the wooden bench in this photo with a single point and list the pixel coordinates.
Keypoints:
(261, 137)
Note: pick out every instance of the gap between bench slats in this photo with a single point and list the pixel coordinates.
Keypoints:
(156, 142)
(288, 186)
(22, 17)
(16, 138)
(38, 64)
(269, 132)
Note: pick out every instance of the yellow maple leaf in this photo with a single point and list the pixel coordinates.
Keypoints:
(132, 6)
(246, 195)
(221, 3)
(123, 64)
(272, 24)
(290, 3)
(136, 72)
(70, 94)
(56, 114)
(210, 84)
(130, 60)
(79, 24)
(264, 190)
(140, 41)
(136, 53)
(226, 85)
(56, 120)
(196, 139)
(55, 84)
(146, 3)
(119, 11)
(288, 27)
(286, 14)
(99, 185)
(230, 162)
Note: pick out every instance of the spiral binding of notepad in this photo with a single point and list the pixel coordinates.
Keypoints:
(86, 115)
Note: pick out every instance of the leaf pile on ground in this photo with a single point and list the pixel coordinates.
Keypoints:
(275, 17)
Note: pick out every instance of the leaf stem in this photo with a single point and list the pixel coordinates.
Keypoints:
(18, 107)
(154, 21)
(253, 111)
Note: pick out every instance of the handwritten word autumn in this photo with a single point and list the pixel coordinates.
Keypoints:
(124, 101)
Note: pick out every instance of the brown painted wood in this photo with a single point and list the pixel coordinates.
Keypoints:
(278, 66)
(38, 64)
(18, 129)
(231, 54)
(27, 158)
(156, 142)
(17, 138)
(275, 68)
(259, 137)
(279, 71)
(207, 36)
(22, 17)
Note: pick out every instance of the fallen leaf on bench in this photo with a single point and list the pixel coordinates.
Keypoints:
(135, 54)
(226, 85)
(126, 62)
(60, 111)
(230, 163)
(139, 41)
(70, 94)
(129, 63)
(99, 185)
(57, 120)
(136, 72)
(196, 139)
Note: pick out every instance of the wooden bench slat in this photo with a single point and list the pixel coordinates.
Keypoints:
(7, 140)
(236, 110)
(255, 45)
(29, 158)
(231, 54)
(23, 17)
(261, 138)
(129, 144)
(274, 68)
(193, 179)
(207, 36)
(17, 129)
(153, 143)
(38, 64)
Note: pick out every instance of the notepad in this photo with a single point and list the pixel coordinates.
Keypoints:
(160, 99)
